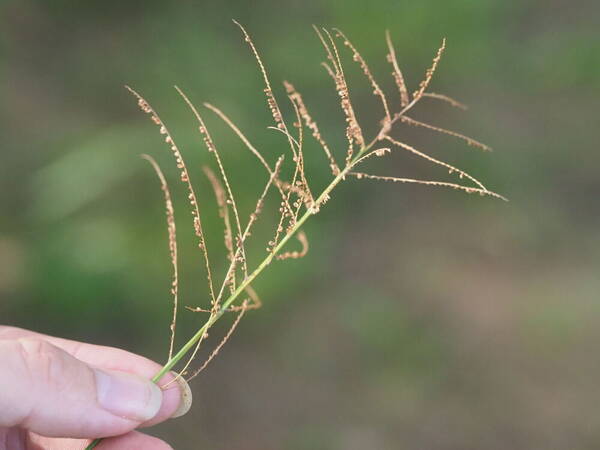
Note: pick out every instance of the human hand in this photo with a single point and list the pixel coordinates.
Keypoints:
(59, 394)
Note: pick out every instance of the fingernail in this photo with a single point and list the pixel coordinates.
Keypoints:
(186, 398)
(127, 396)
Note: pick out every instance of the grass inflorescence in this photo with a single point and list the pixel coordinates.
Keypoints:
(297, 200)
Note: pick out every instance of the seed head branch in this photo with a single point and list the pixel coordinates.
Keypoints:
(252, 149)
(356, 56)
(429, 73)
(210, 145)
(308, 197)
(353, 130)
(185, 178)
(467, 189)
(451, 169)
(172, 231)
(271, 100)
(470, 141)
(446, 99)
(311, 125)
(221, 198)
(397, 73)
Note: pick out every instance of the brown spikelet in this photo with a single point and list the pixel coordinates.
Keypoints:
(397, 73)
(297, 189)
(280, 229)
(429, 74)
(172, 231)
(185, 178)
(356, 56)
(353, 130)
(446, 99)
(470, 141)
(451, 169)
(301, 236)
(467, 189)
(311, 124)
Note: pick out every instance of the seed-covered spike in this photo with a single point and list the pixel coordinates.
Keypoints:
(451, 169)
(365, 68)
(467, 189)
(250, 147)
(271, 100)
(470, 141)
(213, 149)
(353, 130)
(330, 56)
(429, 73)
(172, 231)
(145, 107)
(311, 124)
(300, 156)
(221, 198)
(397, 73)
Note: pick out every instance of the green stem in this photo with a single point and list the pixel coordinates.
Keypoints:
(235, 294)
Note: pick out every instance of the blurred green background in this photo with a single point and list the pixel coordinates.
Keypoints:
(421, 318)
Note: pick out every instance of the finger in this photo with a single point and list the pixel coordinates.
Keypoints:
(48, 391)
(176, 397)
(130, 441)
(134, 440)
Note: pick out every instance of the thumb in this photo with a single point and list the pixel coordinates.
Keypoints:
(48, 391)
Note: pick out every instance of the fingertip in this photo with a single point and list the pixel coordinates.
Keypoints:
(185, 402)
(134, 440)
(176, 399)
(130, 441)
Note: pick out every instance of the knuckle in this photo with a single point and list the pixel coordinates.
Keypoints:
(7, 332)
(43, 362)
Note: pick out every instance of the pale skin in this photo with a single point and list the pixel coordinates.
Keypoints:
(60, 394)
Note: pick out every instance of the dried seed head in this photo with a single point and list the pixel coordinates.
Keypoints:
(295, 191)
